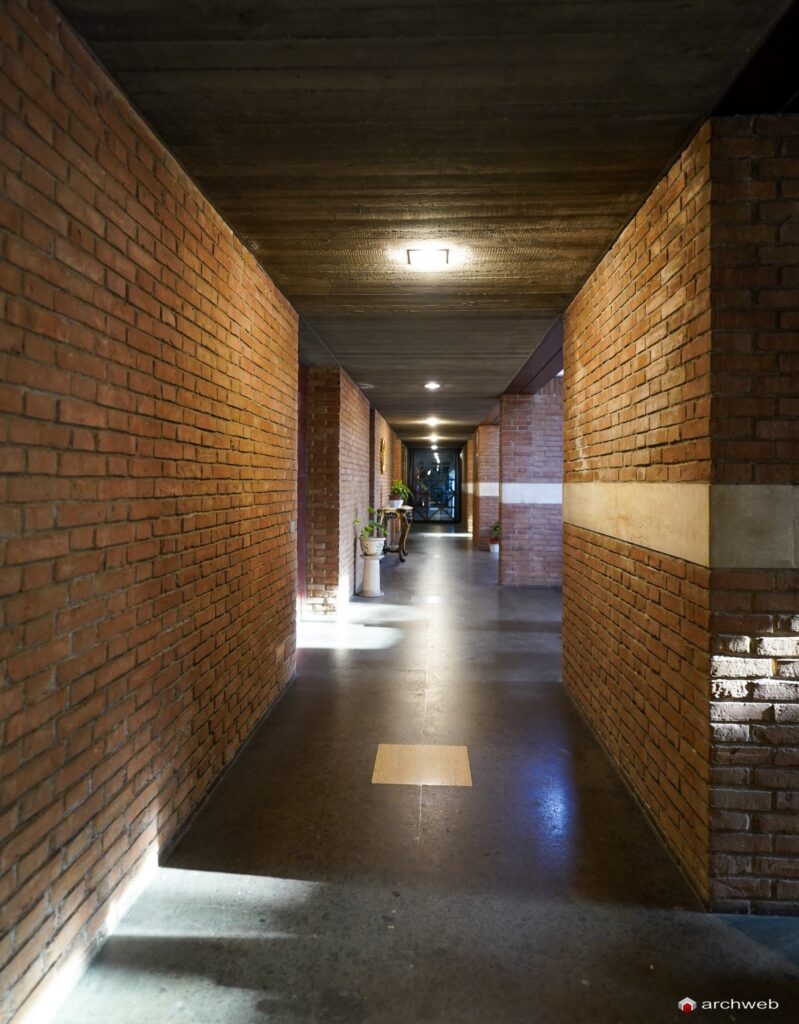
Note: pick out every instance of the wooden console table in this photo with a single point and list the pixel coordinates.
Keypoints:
(404, 517)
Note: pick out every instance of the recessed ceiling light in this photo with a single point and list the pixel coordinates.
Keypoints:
(429, 255)
(434, 447)
(434, 437)
(432, 385)
(431, 421)
(428, 260)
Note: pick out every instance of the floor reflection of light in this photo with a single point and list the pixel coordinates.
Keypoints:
(215, 905)
(337, 636)
(551, 807)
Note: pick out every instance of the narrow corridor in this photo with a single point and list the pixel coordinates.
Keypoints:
(302, 892)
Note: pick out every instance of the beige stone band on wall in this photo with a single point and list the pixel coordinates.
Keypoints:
(530, 493)
(733, 526)
(487, 489)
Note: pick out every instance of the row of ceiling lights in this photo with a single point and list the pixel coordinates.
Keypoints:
(432, 421)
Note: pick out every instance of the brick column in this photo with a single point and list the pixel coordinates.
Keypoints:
(754, 585)
(681, 570)
(338, 447)
(486, 483)
(531, 487)
(468, 485)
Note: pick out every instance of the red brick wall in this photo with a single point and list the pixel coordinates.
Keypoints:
(147, 563)
(637, 407)
(635, 627)
(755, 424)
(755, 733)
(531, 452)
(399, 459)
(486, 505)
(637, 341)
(381, 481)
(339, 462)
(322, 551)
(681, 365)
(468, 485)
(354, 480)
(755, 427)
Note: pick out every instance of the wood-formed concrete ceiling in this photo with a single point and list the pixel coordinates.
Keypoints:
(332, 135)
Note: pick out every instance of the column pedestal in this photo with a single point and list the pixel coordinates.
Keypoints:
(371, 576)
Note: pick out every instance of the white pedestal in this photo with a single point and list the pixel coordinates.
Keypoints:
(371, 576)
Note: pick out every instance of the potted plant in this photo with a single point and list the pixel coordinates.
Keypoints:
(493, 540)
(373, 535)
(399, 494)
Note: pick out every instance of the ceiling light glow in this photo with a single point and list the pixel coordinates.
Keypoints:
(433, 437)
(428, 255)
(433, 447)
(432, 385)
(431, 421)
(428, 260)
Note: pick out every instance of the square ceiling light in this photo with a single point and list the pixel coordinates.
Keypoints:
(428, 259)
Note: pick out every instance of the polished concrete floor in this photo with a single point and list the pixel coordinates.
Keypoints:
(303, 892)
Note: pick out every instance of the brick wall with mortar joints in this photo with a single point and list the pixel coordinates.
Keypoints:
(353, 481)
(381, 481)
(322, 556)
(636, 661)
(755, 282)
(755, 749)
(486, 507)
(531, 451)
(637, 341)
(468, 479)
(148, 404)
(755, 440)
(637, 408)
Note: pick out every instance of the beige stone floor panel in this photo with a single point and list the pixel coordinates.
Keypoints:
(401, 764)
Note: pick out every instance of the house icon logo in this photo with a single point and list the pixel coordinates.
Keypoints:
(687, 1005)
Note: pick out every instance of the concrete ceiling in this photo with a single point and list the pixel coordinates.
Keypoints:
(333, 135)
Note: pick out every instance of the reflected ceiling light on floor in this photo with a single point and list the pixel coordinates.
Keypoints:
(433, 447)
(432, 385)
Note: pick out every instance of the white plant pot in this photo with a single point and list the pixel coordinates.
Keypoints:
(493, 547)
(372, 545)
(395, 502)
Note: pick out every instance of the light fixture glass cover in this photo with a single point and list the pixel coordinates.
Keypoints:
(428, 259)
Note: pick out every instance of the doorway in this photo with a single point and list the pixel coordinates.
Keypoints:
(435, 482)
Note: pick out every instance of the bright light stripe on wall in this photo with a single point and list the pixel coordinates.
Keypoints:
(487, 489)
(531, 493)
(730, 526)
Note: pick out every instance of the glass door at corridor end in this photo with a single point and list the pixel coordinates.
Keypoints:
(435, 482)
